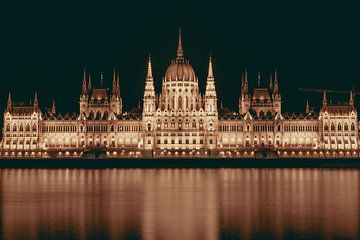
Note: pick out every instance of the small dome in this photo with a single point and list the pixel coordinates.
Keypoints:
(180, 70)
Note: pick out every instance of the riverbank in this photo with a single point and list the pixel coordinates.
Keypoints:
(181, 163)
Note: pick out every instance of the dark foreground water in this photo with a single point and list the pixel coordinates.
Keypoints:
(180, 204)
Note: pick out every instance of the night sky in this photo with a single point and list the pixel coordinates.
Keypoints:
(45, 46)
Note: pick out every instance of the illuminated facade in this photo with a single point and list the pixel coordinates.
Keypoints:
(180, 122)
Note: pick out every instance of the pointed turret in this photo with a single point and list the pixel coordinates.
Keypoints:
(242, 85)
(36, 104)
(276, 95)
(180, 50)
(307, 108)
(101, 79)
(276, 85)
(149, 75)
(118, 86)
(9, 103)
(210, 92)
(53, 108)
(324, 99)
(351, 98)
(244, 99)
(89, 85)
(258, 80)
(246, 87)
(114, 86)
(210, 70)
(149, 93)
(84, 90)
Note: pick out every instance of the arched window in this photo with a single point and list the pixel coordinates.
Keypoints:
(112, 128)
(98, 115)
(149, 126)
(339, 127)
(8, 127)
(332, 127)
(352, 127)
(106, 115)
(279, 128)
(34, 128)
(14, 128)
(346, 127)
(27, 129)
(81, 128)
(21, 128)
(326, 128)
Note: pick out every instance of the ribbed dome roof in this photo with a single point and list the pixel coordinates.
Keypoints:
(180, 70)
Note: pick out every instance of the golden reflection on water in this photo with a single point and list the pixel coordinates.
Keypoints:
(179, 204)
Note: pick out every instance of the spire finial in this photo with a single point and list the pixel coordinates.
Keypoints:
(149, 69)
(258, 79)
(89, 85)
(36, 104)
(210, 70)
(83, 90)
(53, 108)
(9, 103)
(114, 83)
(84, 79)
(324, 99)
(180, 51)
(118, 85)
(245, 78)
(351, 100)
(307, 110)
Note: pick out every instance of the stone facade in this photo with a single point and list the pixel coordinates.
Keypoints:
(180, 122)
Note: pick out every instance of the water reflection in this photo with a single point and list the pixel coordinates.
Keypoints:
(179, 204)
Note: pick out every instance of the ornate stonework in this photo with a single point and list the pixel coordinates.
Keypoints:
(180, 122)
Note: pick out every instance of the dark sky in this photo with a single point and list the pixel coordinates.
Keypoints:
(45, 46)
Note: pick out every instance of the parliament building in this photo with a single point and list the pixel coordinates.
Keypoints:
(180, 121)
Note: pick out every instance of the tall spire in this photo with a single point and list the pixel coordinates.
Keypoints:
(351, 99)
(114, 83)
(307, 108)
(210, 70)
(276, 84)
(271, 82)
(210, 83)
(180, 51)
(9, 102)
(258, 79)
(149, 75)
(324, 99)
(118, 85)
(83, 91)
(53, 108)
(89, 85)
(36, 104)
(246, 87)
(242, 85)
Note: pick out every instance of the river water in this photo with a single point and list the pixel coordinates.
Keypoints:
(180, 204)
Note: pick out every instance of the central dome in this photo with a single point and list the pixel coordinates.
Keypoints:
(180, 69)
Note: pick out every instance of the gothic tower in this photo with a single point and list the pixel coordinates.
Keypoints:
(244, 99)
